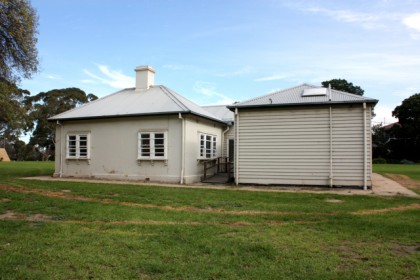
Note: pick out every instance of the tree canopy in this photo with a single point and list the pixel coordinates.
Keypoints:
(400, 140)
(343, 85)
(18, 38)
(14, 119)
(47, 104)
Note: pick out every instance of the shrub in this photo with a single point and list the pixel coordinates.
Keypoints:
(379, 160)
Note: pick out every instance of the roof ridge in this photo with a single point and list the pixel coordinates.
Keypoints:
(171, 95)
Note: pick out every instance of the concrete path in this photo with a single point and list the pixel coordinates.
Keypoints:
(382, 186)
(385, 186)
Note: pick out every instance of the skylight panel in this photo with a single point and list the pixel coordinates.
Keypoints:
(314, 92)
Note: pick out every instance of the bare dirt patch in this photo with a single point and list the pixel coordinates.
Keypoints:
(332, 200)
(147, 205)
(13, 216)
(405, 250)
(405, 181)
(385, 210)
(4, 200)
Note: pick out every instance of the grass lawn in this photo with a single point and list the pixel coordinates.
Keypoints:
(68, 230)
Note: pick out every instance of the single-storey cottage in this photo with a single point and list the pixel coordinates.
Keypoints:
(305, 135)
(144, 133)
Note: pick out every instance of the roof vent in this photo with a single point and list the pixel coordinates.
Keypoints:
(145, 77)
(314, 92)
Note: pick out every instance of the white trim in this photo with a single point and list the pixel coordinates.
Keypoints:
(152, 148)
(203, 150)
(77, 147)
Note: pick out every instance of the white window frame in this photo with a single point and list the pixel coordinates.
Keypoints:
(207, 146)
(75, 147)
(152, 146)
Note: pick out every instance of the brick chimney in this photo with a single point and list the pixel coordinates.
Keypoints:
(145, 77)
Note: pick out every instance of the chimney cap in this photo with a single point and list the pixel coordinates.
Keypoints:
(145, 67)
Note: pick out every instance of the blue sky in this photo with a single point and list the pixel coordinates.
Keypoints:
(218, 52)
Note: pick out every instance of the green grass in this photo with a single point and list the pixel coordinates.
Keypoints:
(108, 231)
(410, 170)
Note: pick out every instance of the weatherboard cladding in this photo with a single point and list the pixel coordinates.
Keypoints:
(293, 96)
(293, 146)
(157, 100)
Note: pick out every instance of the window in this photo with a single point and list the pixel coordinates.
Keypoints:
(78, 146)
(152, 145)
(207, 146)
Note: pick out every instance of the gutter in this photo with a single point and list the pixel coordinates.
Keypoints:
(52, 119)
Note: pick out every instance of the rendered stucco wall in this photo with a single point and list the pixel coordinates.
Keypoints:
(194, 126)
(113, 149)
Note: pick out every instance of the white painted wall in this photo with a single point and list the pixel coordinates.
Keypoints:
(194, 126)
(113, 149)
(114, 142)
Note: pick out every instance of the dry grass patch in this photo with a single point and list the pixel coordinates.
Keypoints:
(405, 181)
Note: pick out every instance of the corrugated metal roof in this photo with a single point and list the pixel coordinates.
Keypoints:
(154, 101)
(293, 96)
(220, 111)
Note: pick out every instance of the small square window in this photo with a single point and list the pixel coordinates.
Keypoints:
(152, 145)
(77, 146)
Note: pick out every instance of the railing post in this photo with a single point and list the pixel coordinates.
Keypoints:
(205, 170)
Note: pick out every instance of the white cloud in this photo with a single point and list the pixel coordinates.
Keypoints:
(175, 66)
(112, 78)
(52, 76)
(366, 20)
(209, 89)
(274, 77)
(407, 92)
(383, 115)
(239, 72)
(412, 21)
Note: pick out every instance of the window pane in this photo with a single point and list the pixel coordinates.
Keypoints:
(145, 152)
(159, 136)
(145, 136)
(72, 152)
(159, 142)
(159, 152)
(83, 152)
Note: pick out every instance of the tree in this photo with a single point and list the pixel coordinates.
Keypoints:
(408, 114)
(343, 85)
(47, 104)
(14, 119)
(18, 31)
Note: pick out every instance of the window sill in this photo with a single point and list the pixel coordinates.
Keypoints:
(78, 160)
(152, 161)
(206, 159)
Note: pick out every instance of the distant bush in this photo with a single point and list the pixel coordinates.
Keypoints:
(379, 160)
